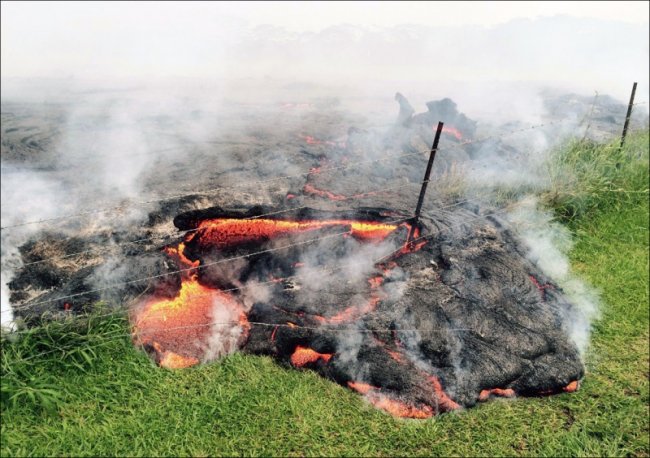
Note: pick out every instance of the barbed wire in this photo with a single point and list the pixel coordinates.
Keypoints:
(328, 327)
(311, 171)
(175, 236)
(383, 190)
(320, 327)
(209, 264)
(278, 212)
(401, 220)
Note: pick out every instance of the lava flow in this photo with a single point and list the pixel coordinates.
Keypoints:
(393, 406)
(484, 395)
(178, 330)
(314, 141)
(451, 131)
(228, 232)
(303, 356)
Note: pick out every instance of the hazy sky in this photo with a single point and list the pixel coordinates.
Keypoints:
(232, 39)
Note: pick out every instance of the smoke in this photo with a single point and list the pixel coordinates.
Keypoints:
(23, 193)
(225, 337)
(549, 244)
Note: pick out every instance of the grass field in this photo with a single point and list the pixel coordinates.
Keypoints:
(103, 397)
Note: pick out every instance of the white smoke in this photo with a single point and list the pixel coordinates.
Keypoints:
(24, 193)
(225, 334)
(549, 244)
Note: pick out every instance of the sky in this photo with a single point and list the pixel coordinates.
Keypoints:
(330, 41)
(113, 38)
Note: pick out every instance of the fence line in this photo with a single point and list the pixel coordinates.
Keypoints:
(325, 328)
(32, 304)
(107, 247)
(188, 269)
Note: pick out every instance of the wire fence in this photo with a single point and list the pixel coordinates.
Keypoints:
(221, 261)
(329, 328)
(324, 169)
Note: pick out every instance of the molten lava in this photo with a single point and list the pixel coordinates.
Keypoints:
(398, 408)
(350, 313)
(392, 406)
(451, 131)
(177, 329)
(228, 232)
(314, 141)
(171, 360)
(178, 254)
(571, 387)
(303, 355)
(541, 288)
(445, 403)
(484, 395)
(363, 388)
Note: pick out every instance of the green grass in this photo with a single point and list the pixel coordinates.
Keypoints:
(103, 397)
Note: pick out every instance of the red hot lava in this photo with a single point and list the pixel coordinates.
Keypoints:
(314, 141)
(227, 232)
(450, 131)
(303, 356)
(178, 330)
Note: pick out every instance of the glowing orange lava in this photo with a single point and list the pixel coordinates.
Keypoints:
(178, 254)
(223, 232)
(178, 328)
(171, 360)
(402, 409)
(451, 131)
(363, 388)
(392, 406)
(484, 395)
(541, 288)
(313, 141)
(303, 355)
(571, 387)
(396, 356)
(350, 313)
(398, 408)
(375, 282)
(309, 189)
(445, 403)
